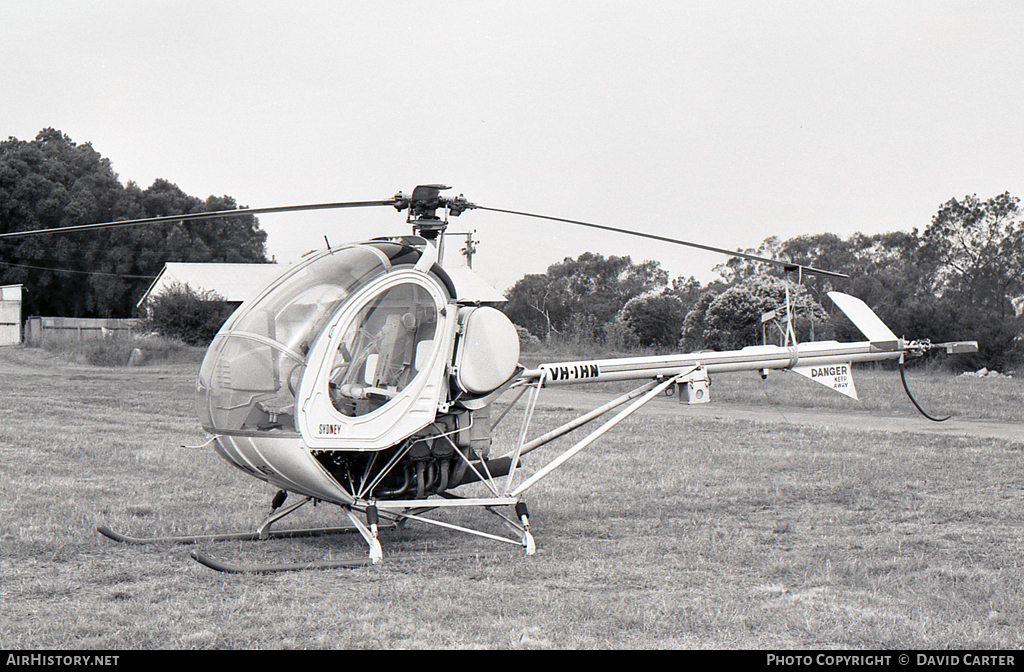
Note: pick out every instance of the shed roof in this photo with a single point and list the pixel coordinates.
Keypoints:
(471, 287)
(241, 282)
(234, 282)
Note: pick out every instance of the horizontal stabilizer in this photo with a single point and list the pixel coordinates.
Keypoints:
(864, 318)
(957, 347)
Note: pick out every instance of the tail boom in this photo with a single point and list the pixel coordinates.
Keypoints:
(815, 360)
(754, 358)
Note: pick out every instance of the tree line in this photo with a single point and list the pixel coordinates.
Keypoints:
(52, 182)
(961, 278)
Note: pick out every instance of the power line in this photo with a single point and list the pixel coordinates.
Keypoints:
(69, 270)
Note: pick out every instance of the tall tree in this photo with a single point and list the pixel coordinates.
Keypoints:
(977, 248)
(886, 271)
(583, 293)
(53, 182)
(732, 319)
(655, 319)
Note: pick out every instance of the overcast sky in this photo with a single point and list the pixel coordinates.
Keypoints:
(717, 122)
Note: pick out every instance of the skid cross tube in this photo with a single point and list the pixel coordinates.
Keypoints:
(264, 529)
(412, 509)
(486, 535)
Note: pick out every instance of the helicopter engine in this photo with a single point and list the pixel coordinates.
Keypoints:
(427, 463)
(360, 373)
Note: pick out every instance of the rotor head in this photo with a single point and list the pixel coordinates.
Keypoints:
(423, 206)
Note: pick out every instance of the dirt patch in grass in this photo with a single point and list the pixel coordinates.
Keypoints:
(843, 419)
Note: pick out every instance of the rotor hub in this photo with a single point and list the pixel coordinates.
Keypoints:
(426, 199)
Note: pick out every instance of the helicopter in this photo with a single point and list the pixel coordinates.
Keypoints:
(365, 376)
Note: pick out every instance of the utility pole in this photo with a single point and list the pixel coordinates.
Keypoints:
(470, 248)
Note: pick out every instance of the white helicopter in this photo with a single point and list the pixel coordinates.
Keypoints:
(364, 377)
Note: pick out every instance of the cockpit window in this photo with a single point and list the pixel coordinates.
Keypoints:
(251, 373)
(296, 311)
(383, 348)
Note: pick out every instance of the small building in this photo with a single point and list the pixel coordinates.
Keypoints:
(235, 283)
(10, 315)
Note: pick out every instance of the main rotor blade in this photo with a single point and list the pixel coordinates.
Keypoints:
(787, 265)
(200, 216)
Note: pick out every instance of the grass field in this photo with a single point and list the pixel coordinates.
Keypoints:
(672, 532)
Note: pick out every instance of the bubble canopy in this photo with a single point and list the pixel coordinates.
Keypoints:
(254, 367)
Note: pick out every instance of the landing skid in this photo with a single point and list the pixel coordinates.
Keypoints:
(238, 536)
(349, 563)
(262, 532)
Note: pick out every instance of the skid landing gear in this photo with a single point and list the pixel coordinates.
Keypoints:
(263, 531)
(395, 513)
(368, 530)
